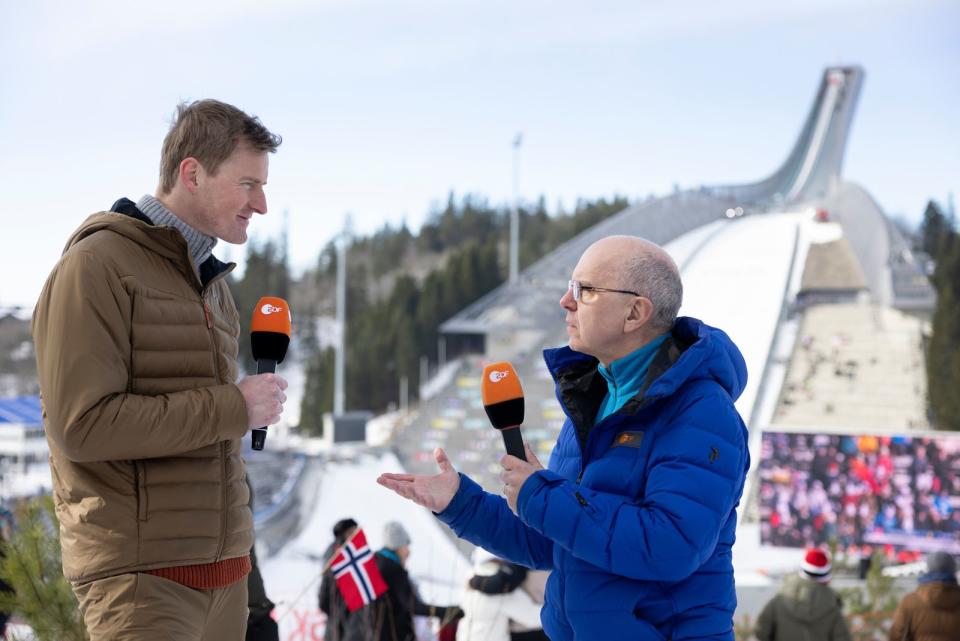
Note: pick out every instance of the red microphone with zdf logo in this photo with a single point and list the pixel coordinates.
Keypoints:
(503, 402)
(269, 339)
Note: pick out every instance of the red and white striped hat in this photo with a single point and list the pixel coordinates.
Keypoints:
(816, 565)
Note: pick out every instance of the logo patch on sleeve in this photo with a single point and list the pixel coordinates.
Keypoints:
(628, 439)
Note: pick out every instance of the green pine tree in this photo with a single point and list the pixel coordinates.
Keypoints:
(31, 564)
(943, 357)
(317, 393)
(933, 230)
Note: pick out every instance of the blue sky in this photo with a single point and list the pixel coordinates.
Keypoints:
(386, 106)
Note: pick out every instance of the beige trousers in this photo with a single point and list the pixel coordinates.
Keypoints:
(143, 607)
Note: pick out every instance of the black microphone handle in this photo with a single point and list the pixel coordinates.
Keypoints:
(513, 441)
(259, 435)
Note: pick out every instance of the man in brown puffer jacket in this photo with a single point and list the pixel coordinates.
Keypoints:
(805, 609)
(136, 339)
(932, 612)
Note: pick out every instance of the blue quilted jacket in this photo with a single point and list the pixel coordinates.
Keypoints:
(635, 515)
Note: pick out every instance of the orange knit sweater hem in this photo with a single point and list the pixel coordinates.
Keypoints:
(208, 576)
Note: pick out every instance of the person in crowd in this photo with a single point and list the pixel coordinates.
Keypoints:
(819, 487)
(136, 343)
(342, 625)
(5, 588)
(534, 584)
(636, 513)
(261, 625)
(494, 599)
(932, 611)
(393, 611)
(805, 607)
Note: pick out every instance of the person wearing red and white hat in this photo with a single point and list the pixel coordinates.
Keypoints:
(816, 566)
(805, 607)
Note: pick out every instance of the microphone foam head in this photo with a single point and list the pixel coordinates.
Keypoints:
(502, 395)
(271, 314)
(270, 329)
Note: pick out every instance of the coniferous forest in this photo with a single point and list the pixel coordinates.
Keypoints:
(400, 287)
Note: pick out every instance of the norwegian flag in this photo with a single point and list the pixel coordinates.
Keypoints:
(356, 572)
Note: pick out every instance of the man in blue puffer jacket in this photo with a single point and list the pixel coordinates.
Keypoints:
(635, 514)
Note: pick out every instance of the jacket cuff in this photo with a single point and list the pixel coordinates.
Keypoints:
(467, 490)
(233, 411)
(533, 484)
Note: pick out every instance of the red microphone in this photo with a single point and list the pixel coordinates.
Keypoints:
(503, 402)
(269, 339)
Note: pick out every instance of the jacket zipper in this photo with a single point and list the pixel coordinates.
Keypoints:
(208, 319)
(586, 446)
(223, 446)
(223, 499)
(583, 458)
(208, 316)
(585, 449)
(139, 473)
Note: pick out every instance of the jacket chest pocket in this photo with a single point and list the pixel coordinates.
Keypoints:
(620, 470)
(140, 478)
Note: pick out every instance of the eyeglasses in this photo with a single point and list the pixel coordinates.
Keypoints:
(578, 288)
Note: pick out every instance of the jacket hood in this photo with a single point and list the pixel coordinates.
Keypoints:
(696, 351)
(165, 241)
(126, 220)
(710, 354)
(807, 600)
(941, 596)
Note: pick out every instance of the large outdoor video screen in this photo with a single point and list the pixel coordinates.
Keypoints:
(893, 492)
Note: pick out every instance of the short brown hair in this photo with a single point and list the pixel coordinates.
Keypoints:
(209, 130)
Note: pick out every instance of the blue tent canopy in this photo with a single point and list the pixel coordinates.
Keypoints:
(23, 409)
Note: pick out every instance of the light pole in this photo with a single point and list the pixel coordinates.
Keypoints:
(343, 240)
(515, 212)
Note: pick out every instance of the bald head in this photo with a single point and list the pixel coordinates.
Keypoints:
(641, 266)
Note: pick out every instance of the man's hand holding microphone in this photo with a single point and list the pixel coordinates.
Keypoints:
(264, 392)
(264, 396)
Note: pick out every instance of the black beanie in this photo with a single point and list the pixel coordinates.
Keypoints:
(341, 528)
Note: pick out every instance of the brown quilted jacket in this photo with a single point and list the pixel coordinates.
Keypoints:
(137, 364)
(931, 613)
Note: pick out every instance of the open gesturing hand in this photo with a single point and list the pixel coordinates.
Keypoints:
(433, 492)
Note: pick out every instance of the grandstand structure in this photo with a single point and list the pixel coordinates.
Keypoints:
(856, 366)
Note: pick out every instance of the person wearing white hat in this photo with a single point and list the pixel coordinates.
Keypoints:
(393, 611)
(805, 607)
(494, 599)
